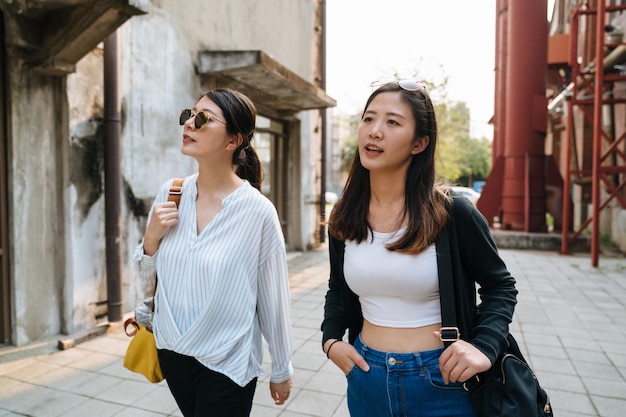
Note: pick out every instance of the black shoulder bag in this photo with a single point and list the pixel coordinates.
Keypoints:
(510, 388)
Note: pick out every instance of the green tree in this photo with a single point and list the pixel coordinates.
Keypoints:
(350, 144)
(477, 160)
(453, 133)
(460, 158)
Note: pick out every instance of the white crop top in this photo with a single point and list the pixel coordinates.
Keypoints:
(395, 289)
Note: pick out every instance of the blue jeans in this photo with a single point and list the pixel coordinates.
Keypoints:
(404, 385)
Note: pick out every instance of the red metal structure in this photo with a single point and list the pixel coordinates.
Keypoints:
(566, 158)
(515, 189)
(597, 166)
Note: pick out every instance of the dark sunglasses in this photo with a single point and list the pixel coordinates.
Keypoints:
(408, 85)
(200, 119)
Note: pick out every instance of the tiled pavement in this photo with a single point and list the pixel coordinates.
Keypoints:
(570, 321)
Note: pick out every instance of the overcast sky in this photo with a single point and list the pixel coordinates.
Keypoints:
(372, 39)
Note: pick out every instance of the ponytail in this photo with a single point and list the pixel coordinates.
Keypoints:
(248, 165)
(240, 116)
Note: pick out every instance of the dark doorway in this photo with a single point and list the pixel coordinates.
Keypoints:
(270, 142)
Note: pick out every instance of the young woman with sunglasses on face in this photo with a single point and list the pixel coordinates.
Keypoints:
(222, 268)
(385, 258)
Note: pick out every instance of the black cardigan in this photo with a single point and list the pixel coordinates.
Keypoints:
(473, 258)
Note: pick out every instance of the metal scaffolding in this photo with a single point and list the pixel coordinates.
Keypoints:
(593, 95)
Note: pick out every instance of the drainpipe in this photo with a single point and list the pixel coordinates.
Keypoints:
(324, 122)
(112, 177)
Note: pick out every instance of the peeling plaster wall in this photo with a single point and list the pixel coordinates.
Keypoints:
(618, 227)
(311, 170)
(281, 28)
(86, 261)
(36, 215)
(159, 81)
(156, 83)
(56, 172)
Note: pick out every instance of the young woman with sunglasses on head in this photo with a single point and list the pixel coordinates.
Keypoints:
(222, 268)
(386, 253)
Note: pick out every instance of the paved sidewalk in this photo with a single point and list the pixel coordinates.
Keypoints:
(570, 321)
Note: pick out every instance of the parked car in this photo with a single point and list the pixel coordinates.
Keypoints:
(471, 195)
(330, 197)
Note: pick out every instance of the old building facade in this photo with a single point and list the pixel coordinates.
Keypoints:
(91, 92)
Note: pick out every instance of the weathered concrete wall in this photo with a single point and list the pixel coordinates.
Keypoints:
(310, 166)
(56, 172)
(84, 195)
(156, 83)
(159, 52)
(618, 228)
(284, 29)
(36, 207)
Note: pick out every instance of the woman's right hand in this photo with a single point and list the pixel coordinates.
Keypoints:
(164, 216)
(345, 356)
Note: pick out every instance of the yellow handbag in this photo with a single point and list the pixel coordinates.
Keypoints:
(141, 355)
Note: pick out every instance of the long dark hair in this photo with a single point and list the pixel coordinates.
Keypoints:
(240, 117)
(425, 202)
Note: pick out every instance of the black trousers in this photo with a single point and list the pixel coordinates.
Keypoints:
(201, 392)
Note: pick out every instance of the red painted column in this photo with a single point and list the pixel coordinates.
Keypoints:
(523, 192)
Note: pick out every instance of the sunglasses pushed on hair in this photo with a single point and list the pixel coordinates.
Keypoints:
(200, 119)
(408, 85)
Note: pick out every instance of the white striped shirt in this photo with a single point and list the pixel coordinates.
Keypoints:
(221, 290)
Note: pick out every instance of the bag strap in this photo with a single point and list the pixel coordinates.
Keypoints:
(132, 323)
(449, 331)
(175, 192)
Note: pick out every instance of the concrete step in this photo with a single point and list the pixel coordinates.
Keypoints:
(507, 239)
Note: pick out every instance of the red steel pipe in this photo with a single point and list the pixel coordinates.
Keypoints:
(523, 191)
